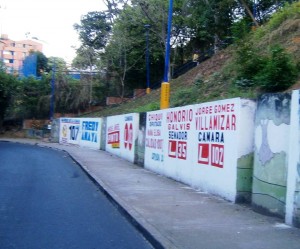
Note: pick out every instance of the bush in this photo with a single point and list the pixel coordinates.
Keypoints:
(272, 72)
(279, 73)
(185, 96)
(289, 11)
(248, 61)
(153, 106)
(241, 28)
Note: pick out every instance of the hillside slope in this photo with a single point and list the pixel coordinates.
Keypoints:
(214, 78)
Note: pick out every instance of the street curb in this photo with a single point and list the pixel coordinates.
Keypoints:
(148, 236)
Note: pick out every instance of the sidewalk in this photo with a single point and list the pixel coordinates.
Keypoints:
(174, 215)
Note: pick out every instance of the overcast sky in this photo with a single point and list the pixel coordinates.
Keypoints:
(51, 21)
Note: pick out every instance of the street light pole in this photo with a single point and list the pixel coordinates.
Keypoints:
(165, 86)
(52, 91)
(254, 13)
(147, 26)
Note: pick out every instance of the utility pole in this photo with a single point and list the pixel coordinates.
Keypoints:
(147, 26)
(165, 86)
(52, 100)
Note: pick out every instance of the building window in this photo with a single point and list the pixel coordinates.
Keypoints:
(11, 61)
(24, 45)
(12, 52)
(13, 44)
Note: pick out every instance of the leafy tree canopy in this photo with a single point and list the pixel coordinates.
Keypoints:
(42, 63)
(8, 84)
(94, 29)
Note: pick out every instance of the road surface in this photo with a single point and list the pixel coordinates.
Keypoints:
(48, 202)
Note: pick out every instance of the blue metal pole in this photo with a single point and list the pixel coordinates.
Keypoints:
(52, 91)
(147, 26)
(254, 9)
(165, 86)
(168, 46)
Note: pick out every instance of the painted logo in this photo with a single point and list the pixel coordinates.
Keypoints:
(128, 136)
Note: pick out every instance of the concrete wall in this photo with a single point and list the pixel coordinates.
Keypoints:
(121, 135)
(241, 150)
(292, 216)
(139, 157)
(208, 146)
(272, 125)
(55, 130)
(84, 132)
(90, 132)
(69, 131)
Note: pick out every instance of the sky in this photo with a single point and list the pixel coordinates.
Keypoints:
(51, 21)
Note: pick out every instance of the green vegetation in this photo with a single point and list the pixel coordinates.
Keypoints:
(252, 66)
(8, 84)
(290, 11)
(273, 72)
(116, 37)
(264, 59)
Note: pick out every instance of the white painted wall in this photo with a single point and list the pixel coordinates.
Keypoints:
(246, 127)
(69, 131)
(84, 132)
(293, 160)
(201, 143)
(154, 142)
(121, 132)
(215, 160)
(90, 132)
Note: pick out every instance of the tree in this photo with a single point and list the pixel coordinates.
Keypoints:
(124, 56)
(57, 63)
(94, 30)
(114, 8)
(211, 21)
(125, 53)
(94, 33)
(42, 63)
(8, 85)
(87, 58)
(33, 99)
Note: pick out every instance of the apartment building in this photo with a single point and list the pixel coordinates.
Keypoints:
(13, 53)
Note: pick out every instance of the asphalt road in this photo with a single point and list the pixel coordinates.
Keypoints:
(48, 202)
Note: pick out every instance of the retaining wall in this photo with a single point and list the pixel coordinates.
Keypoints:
(206, 146)
(84, 132)
(272, 126)
(121, 135)
(292, 215)
(231, 148)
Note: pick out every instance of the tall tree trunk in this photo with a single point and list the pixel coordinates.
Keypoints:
(249, 12)
(1, 125)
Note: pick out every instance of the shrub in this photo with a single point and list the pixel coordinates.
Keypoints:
(289, 11)
(279, 73)
(248, 61)
(153, 106)
(272, 72)
(241, 28)
(184, 97)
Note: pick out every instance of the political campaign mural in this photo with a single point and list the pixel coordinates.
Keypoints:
(84, 132)
(90, 132)
(122, 131)
(201, 145)
(154, 141)
(69, 131)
